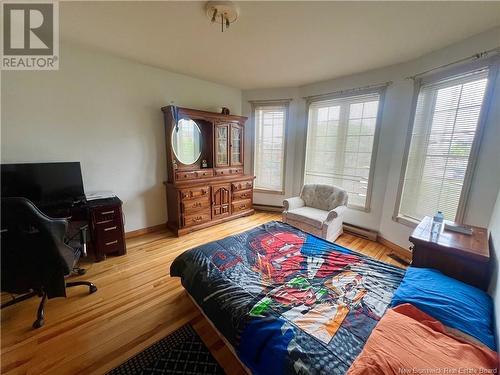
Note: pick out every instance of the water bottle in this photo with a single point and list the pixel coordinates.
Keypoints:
(437, 223)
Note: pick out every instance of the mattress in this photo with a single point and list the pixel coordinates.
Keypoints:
(288, 302)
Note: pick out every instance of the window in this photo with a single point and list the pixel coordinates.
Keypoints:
(341, 139)
(269, 155)
(441, 148)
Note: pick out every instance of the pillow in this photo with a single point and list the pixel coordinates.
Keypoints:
(408, 341)
(452, 302)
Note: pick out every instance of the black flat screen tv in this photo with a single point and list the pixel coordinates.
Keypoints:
(43, 182)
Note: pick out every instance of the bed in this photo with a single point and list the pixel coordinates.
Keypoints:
(287, 301)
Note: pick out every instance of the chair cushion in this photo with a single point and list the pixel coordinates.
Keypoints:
(323, 197)
(308, 215)
(454, 303)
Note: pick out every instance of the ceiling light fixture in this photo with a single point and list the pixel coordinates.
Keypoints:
(222, 12)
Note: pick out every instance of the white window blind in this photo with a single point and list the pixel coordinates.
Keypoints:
(340, 142)
(269, 155)
(444, 129)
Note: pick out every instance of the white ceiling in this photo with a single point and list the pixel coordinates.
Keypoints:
(274, 44)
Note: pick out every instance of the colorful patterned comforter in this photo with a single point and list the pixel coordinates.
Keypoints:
(287, 301)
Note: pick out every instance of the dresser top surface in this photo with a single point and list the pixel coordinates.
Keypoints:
(473, 246)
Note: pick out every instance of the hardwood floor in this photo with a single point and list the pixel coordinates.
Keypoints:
(137, 304)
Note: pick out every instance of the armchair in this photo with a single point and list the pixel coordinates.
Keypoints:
(36, 255)
(318, 210)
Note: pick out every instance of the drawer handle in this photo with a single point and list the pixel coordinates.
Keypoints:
(242, 206)
(111, 243)
(107, 212)
(198, 218)
(110, 228)
(197, 204)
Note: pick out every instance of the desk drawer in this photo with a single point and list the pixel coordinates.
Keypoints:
(242, 185)
(112, 246)
(109, 232)
(241, 195)
(196, 218)
(194, 205)
(195, 192)
(241, 206)
(105, 215)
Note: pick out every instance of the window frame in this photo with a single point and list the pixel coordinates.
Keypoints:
(492, 64)
(377, 89)
(285, 104)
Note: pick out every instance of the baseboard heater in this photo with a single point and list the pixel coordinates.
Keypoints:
(361, 232)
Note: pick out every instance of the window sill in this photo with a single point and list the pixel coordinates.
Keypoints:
(409, 222)
(358, 208)
(268, 191)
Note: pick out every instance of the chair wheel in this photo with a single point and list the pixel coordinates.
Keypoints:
(38, 323)
(92, 289)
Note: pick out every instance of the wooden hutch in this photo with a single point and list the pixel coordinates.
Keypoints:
(206, 184)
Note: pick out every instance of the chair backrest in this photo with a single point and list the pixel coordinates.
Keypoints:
(33, 250)
(323, 197)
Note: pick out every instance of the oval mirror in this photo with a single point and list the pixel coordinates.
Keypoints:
(186, 141)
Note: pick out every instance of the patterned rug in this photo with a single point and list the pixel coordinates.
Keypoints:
(181, 352)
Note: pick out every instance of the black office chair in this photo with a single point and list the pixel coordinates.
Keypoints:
(36, 254)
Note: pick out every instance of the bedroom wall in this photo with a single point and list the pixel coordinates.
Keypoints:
(494, 230)
(103, 111)
(395, 122)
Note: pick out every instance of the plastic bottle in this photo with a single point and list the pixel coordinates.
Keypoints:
(437, 223)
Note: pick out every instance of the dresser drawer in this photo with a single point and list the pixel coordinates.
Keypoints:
(105, 215)
(241, 206)
(196, 218)
(195, 204)
(242, 194)
(191, 175)
(228, 171)
(195, 192)
(242, 185)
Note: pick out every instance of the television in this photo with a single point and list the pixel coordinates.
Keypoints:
(43, 183)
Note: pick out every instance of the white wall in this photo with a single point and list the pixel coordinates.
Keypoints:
(395, 122)
(494, 230)
(103, 111)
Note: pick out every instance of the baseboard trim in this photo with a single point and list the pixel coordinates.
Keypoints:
(400, 251)
(267, 207)
(143, 231)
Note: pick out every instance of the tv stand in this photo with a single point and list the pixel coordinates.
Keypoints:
(104, 217)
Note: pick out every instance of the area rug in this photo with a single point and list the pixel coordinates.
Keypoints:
(181, 352)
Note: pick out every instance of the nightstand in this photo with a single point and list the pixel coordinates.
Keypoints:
(463, 257)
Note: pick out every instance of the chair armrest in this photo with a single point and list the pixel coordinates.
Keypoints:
(336, 212)
(293, 203)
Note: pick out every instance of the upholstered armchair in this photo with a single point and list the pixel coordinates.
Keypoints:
(319, 210)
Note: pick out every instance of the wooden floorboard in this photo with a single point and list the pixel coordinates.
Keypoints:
(137, 304)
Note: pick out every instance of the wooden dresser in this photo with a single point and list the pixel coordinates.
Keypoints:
(463, 257)
(205, 180)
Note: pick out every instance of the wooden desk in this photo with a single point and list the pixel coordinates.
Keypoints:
(463, 257)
